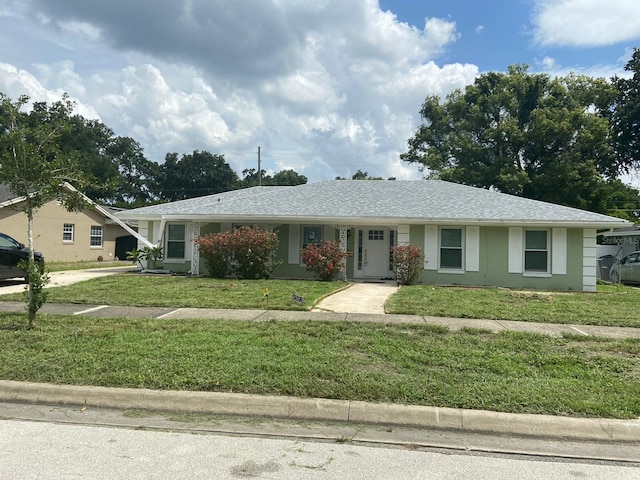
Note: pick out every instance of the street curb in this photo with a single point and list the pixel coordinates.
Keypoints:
(319, 409)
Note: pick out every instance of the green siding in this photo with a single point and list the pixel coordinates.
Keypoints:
(494, 258)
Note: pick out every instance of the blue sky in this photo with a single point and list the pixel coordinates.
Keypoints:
(323, 87)
(494, 34)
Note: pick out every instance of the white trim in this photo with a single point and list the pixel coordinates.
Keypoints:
(188, 234)
(404, 235)
(516, 250)
(294, 244)
(431, 247)
(472, 247)
(589, 260)
(462, 250)
(559, 251)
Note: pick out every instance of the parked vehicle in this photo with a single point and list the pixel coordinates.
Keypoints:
(11, 253)
(627, 270)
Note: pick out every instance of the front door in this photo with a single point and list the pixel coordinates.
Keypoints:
(375, 252)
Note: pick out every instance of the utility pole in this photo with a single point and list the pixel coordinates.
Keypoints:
(259, 169)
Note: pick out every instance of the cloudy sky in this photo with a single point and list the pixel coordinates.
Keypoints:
(325, 87)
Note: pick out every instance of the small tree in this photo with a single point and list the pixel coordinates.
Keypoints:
(408, 264)
(325, 260)
(32, 166)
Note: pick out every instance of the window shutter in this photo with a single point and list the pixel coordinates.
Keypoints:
(430, 247)
(472, 245)
(559, 251)
(515, 249)
(294, 244)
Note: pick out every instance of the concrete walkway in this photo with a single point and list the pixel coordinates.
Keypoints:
(358, 298)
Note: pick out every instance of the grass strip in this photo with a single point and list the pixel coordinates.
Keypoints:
(609, 306)
(134, 289)
(410, 364)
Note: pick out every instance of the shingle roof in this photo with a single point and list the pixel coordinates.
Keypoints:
(373, 202)
(5, 193)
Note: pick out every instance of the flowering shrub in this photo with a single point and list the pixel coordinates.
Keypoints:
(217, 251)
(255, 252)
(408, 263)
(324, 259)
(249, 252)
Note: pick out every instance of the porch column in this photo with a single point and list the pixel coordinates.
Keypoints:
(343, 229)
(195, 250)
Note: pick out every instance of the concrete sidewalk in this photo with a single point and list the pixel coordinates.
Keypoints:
(454, 324)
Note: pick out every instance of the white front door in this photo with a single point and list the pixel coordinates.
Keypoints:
(375, 252)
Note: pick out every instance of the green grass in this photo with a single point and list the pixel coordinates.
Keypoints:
(609, 306)
(411, 364)
(62, 266)
(189, 292)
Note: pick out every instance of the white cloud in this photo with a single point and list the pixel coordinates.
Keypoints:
(586, 23)
(325, 88)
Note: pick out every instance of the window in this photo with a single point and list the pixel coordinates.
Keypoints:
(392, 243)
(360, 248)
(96, 236)
(451, 248)
(67, 232)
(536, 251)
(311, 235)
(376, 234)
(176, 235)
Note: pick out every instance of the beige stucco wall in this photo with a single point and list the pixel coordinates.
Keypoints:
(47, 232)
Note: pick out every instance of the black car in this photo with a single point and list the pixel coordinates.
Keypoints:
(11, 253)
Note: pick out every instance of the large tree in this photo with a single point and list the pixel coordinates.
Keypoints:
(194, 175)
(524, 134)
(625, 116)
(34, 167)
(119, 172)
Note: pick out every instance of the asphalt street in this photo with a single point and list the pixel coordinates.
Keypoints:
(60, 444)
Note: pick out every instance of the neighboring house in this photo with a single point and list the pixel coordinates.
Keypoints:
(68, 236)
(470, 236)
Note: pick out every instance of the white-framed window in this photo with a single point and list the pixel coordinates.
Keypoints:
(96, 236)
(67, 232)
(451, 248)
(176, 241)
(536, 251)
(311, 234)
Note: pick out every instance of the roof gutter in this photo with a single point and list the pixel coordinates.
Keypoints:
(383, 221)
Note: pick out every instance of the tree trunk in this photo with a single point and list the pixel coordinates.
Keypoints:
(32, 301)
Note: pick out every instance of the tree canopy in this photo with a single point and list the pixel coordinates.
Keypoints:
(529, 135)
(194, 175)
(625, 116)
(116, 169)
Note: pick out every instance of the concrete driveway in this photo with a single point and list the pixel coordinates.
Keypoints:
(68, 277)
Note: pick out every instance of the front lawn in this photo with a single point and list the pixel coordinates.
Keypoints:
(411, 364)
(609, 306)
(189, 292)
